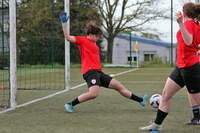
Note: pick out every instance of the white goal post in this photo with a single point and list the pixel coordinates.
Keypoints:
(13, 68)
(67, 49)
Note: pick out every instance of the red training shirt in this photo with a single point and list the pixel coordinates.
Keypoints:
(89, 52)
(187, 55)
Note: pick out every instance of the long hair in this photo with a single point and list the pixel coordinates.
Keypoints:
(189, 10)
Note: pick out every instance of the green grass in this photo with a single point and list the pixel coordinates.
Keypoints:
(108, 113)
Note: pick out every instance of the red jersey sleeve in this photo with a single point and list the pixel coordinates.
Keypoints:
(78, 40)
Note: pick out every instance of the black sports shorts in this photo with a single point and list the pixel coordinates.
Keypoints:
(189, 77)
(95, 77)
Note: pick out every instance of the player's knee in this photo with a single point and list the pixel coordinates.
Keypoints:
(94, 95)
(122, 91)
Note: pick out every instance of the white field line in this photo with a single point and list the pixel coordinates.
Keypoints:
(144, 82)
(57, 93)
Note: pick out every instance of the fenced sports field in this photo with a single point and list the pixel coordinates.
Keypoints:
(35, 62)
(108, 113)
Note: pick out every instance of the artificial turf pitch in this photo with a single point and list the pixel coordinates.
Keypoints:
(108, 113)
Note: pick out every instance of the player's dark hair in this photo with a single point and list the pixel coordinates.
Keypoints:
(92, 28)
(189, 10)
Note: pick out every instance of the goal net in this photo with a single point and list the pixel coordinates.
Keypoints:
(32, 51)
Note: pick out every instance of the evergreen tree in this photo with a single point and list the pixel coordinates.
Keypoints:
(34, 29)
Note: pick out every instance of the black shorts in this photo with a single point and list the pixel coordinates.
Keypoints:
(189, 77)
(95, 77)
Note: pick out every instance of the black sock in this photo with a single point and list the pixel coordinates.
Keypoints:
(75, 102)
(195, 110)
(160, 117)
(136, 98)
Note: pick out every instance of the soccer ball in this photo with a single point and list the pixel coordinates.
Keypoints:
(155, 100)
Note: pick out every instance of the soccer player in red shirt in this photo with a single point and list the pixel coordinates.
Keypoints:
(187, 72)
(91, 68)
(192, 101)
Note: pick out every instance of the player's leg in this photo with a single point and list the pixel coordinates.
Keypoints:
(93, 81)
(169, 90)
(192, 78)
(91, 94)
(173, 84)
(111, 83)
(191, 101)
(195, 105)
(116, 85)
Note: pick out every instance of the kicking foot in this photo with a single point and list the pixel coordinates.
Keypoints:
(68, 107)
(145, 97)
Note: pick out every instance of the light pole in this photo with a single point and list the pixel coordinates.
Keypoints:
(130, 57)
(52, 33)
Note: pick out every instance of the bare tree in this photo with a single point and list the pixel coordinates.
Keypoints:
(121, 15)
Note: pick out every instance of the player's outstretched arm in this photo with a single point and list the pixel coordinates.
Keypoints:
(68, 37)
(64, 18)
(187, 37)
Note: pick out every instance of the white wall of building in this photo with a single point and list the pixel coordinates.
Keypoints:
(121, 51)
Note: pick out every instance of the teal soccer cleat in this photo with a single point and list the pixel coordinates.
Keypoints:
(68, 107)
(145, 97)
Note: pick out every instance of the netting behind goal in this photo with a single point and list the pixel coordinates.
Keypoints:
(4, 57)
(40, 49)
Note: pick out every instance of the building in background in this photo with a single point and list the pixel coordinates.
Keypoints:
(148, 50)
